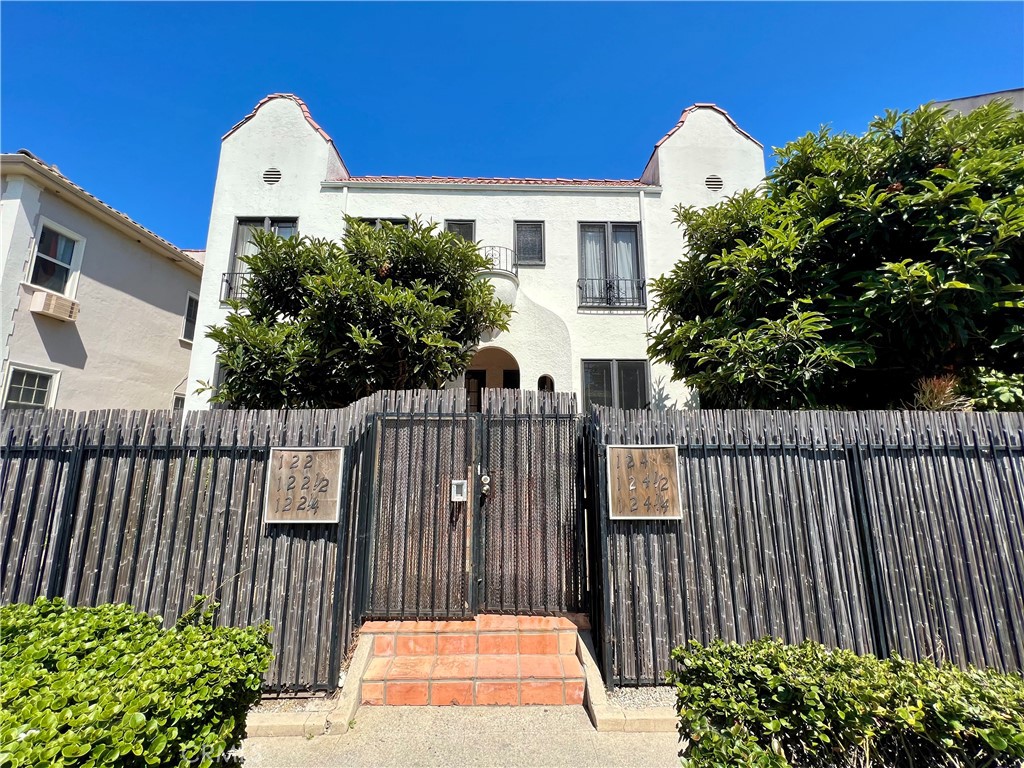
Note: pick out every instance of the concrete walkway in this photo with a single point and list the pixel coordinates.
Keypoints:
(467, 736)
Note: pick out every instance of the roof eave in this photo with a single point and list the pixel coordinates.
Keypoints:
(603, 189)
(22, 164)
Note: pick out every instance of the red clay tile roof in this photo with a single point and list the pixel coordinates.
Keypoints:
(271, 97)
(498, 181)
(52, 171)
(718, 109)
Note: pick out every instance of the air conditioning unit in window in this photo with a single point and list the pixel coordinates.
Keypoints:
(54, 305)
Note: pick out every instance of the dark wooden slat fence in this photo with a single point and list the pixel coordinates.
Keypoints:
(140, 507)
(875, 531)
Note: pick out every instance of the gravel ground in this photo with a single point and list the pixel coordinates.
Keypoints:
(462, 737)
(642, 698)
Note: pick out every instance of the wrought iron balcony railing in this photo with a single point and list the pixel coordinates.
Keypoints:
(233, 285)
(502, 259)
(612, 292)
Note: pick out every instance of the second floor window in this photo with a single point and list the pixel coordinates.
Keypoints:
(188, 328)
(610, 269)
(466, 229)
(529, 242)
(243, 236)
(53, 264)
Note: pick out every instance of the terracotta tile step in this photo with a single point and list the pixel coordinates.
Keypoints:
(481, 624)
(475, 667)
(468, 693)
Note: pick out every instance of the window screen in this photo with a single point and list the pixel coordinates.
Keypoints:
(597, 382)
(632, 384)
(465, 229)
(529, 242)
(616, 383)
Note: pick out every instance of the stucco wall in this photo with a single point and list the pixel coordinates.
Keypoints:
(124, 349)
(549, 334)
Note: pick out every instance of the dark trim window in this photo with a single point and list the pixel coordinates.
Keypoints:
(243, 236)
(188, 328)
(465, 229)
(529, 242)
(28, 389)
(611, 268)
(616, 383)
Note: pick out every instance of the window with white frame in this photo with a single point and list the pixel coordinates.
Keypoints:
(611, 273)
(616, 383)
(529, 242)
(29, 388)
(54, 262)
(188, 328)
(178, 403)
(465, 229)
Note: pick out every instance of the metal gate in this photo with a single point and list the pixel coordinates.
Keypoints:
(515, 544)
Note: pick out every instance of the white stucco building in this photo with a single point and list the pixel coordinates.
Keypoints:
(575, 255)
(96, 311)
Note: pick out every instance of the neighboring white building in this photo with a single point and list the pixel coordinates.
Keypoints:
(969, 103)
(574, 255)
(97, 311)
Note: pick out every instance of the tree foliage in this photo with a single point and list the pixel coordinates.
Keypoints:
(863, 264)
(323, 324)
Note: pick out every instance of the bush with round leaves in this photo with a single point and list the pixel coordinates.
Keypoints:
(110, 686)
(773, 705)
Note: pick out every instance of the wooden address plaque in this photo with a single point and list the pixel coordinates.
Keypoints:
(304, 485)
(643, 482)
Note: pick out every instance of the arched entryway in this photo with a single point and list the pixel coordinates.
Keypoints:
(491, 368)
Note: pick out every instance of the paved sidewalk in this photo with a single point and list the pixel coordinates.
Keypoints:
(453, 737)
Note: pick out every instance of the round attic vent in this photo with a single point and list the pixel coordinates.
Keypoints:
(714, 183)
(271, 176)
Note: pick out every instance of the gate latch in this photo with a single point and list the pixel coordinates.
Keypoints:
(485, 484)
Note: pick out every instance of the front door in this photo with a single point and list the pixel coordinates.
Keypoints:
(475, 383)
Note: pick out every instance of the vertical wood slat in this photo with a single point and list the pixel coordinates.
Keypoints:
(875, 531)
(151, 508)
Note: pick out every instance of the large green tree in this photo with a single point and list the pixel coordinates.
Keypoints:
(322, 324)
(862, 266)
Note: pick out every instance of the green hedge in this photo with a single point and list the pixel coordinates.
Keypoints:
(109, 686)
(769, 704)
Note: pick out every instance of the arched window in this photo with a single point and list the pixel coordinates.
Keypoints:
(545, 384)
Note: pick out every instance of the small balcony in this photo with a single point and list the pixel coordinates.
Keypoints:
(612, 292)
(502, 259)
(234, 285)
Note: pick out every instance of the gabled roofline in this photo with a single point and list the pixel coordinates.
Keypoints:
(305, 113)
(24, 163)
(682, 119)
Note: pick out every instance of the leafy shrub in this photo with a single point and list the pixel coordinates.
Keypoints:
(991, 390)
(109, 686)
(774, 705)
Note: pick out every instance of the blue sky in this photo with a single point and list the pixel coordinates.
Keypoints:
(130, 100)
